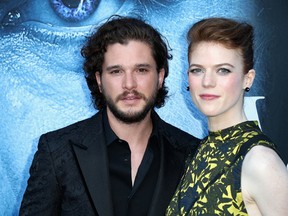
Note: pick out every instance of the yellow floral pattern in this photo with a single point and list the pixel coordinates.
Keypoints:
(211, 184)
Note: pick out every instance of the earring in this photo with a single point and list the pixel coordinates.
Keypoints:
(187, 88)
(247, 89)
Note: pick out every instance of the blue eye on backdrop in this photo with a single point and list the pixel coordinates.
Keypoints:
(74, 10)
(54, 20)
(60, 13)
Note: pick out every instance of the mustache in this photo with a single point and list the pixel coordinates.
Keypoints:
(133, 92)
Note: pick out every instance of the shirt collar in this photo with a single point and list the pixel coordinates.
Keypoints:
(109, 134)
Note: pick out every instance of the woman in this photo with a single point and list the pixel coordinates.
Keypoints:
(236, 170)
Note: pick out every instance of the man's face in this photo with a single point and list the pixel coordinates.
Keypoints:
(129, 81)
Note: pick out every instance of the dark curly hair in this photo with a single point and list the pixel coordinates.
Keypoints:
(120, 30)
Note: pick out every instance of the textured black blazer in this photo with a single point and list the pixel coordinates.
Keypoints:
(69, 174)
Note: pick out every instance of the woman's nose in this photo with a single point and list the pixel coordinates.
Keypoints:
(209, 80)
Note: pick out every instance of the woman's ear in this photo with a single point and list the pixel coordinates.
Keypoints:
(249, 79)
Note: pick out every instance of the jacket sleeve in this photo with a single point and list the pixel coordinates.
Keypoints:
(42, 195)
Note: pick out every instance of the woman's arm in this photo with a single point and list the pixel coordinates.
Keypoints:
(264, 182)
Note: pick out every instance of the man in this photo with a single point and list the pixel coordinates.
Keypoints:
(124, 160)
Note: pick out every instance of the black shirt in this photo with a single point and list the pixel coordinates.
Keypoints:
(127, 199)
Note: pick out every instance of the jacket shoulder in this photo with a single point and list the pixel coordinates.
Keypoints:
(76, 131)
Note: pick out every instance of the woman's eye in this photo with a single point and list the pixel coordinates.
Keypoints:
(224, 71)
(195, 70)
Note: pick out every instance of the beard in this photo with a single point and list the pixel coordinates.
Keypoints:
(131, 116)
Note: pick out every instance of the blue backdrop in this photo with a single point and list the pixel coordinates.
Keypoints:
(43, 88)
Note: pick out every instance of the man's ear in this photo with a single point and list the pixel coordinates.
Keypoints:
(98, 80)
(161, 76)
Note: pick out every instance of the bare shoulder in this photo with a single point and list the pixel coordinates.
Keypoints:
(261, 166)
(262, 159)
(264, 179)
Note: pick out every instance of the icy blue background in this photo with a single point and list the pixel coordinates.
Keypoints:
(42, 86)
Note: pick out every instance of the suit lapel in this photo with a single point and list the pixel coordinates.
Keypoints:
(92, 158)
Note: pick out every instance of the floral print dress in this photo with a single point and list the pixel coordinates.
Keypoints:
(211, 184)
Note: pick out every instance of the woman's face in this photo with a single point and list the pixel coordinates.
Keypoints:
(217, 80)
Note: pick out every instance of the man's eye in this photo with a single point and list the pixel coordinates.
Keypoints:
(115, 72)
(142, 70)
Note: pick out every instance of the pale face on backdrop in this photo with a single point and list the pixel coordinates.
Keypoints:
(217, 82)
(129, 80)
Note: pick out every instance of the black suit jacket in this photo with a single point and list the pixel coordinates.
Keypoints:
(69, 174)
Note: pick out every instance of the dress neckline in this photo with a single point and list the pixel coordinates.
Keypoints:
(233, 131)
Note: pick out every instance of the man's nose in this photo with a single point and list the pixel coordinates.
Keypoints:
(129, 81)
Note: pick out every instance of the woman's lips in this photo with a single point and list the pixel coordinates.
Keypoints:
(208, 96)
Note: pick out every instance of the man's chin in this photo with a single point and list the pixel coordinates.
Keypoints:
(130, 116)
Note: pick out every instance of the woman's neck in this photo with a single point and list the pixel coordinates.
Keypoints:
(216, 123)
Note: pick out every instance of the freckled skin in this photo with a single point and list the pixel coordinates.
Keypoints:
(42, 84)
